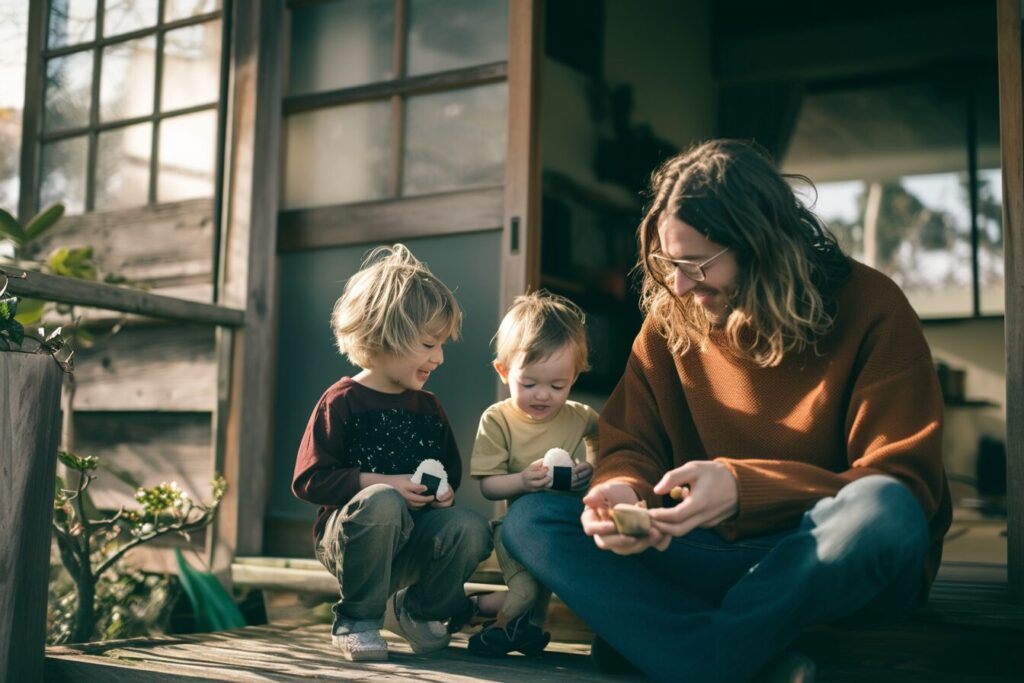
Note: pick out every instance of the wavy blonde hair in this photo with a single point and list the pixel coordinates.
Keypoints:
(539, 324)
(790, 266)
(389, 304)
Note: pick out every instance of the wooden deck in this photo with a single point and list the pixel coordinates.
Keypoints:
(969, 631)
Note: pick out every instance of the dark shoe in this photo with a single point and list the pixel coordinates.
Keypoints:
(608, 660)
(518, 635)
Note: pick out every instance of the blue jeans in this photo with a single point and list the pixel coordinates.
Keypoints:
(711, 610)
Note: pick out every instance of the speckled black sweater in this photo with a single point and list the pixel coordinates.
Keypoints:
(356, 429)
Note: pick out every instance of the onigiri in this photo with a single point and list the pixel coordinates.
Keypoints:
(560, 463)
(431, 473)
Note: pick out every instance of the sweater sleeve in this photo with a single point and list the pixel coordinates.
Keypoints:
(893, 426)
(320, 474)
(634, 448)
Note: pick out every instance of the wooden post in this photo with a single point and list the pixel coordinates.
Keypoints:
(244, 419)
(29, 432)
(1011, 131)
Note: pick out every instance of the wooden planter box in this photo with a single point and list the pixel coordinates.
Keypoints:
(29, 435)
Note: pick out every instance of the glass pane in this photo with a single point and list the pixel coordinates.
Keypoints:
(890, 165)
(71, 22)
(126, 80)
(122, 167)
(338, 155)
(191, 66)
(453, 34)
(991, 264)
(13, 45)
(186, 159)
(341, 44)
(68, 91)
(124, 16)
(182, 9)
(455, 140)
(63, 174)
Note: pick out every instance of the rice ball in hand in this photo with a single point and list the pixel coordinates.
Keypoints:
(431, 473)
(560, 463)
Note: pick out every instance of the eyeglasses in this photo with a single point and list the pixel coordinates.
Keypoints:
(691, 269)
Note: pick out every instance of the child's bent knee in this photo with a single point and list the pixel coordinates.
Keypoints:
(377, 504)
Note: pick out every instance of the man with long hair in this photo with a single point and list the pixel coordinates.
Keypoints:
(788, 395)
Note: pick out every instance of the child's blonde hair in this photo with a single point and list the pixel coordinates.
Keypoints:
(538, 325)
(390, 304)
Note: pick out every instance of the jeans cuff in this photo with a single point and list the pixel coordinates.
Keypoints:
(344, 626)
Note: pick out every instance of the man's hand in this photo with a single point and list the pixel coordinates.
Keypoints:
(536, 477)
(581, 475)
(597, 521)
(444, 501)
(713, 498)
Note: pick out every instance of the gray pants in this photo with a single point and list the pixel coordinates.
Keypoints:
(375, 545)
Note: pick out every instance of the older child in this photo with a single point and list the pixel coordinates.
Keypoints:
(541, 350)
(400, 556)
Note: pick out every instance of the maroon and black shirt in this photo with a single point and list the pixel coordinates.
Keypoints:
(356, 429)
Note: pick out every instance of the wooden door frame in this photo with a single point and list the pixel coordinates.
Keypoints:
(1011, 130)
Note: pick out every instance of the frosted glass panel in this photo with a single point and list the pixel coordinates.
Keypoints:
(122, 167)
(341, 44)
(187, 151)
(126, 82)
(68, 91)
(125, 16)
(182, 9)
(71, 22)
(191, 66)
(13, 54)
(455, 140)
(338, 155)
(63, 174)
(453, 34)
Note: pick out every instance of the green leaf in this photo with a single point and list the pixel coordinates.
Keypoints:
(43, 221)
(10, 228)
(30, 311)
(213, 607)
(12, 329)
(74, 262)
(8, 307)
(77, 462)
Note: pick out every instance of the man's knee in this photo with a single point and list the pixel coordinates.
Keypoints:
(877, 516)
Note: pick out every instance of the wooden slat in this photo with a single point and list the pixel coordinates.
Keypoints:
(1011, 133)
(244, 436)
(148, 368)
(29, 429)
(126, 299)
(392, 220)
(414, 85)
(163, 246)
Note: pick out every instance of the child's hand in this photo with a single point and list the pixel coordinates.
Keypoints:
(581, 475)
(410, 491)
(536, 477)
(444, 501)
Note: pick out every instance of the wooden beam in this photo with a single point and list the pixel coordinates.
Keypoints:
(112, 297)
(392, 220)
(29, 430)
(520, 248)
(249, 276)
(1011, 134)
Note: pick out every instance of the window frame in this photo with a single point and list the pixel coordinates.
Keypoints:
(34, 137)
(963, 72)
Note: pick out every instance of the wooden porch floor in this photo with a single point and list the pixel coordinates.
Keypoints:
(969, 631)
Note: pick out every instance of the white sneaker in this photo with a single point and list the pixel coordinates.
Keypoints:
(365, 646)
(423, 636)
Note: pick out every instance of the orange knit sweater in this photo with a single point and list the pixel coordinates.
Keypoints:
(868, 402)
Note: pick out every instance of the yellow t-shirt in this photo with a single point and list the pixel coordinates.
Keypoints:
(508, 440)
